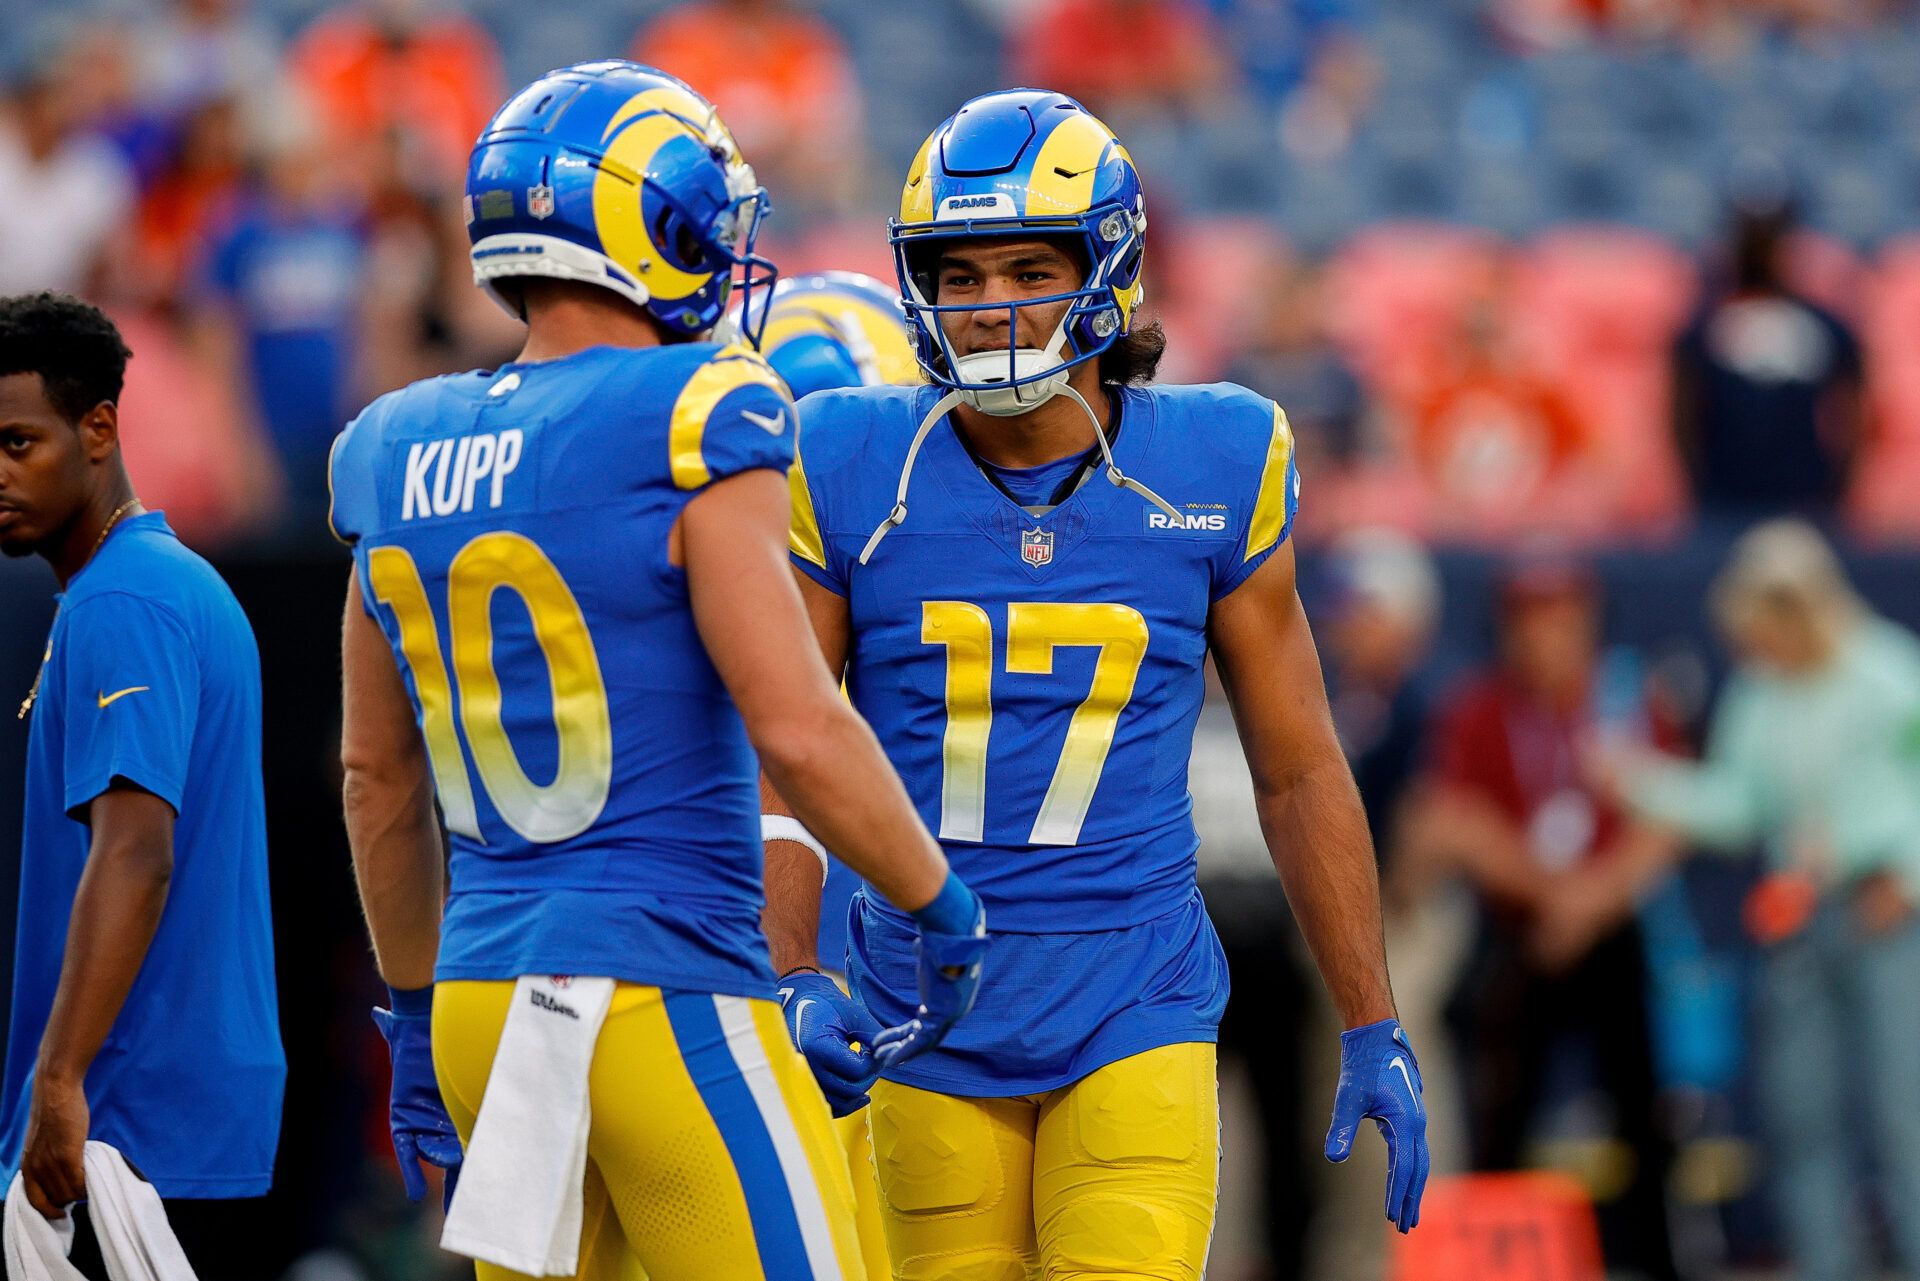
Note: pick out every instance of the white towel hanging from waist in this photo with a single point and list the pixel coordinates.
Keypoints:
(518, 1203)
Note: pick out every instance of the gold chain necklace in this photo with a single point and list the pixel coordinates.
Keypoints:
(112, 520)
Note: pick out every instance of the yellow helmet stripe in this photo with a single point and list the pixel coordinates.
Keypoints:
(733, 367)
(1270, 506)
(1061, 181)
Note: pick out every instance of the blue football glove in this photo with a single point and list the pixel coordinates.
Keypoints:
(835, 1034)
(1379, 1078)
(953, 940)
(422, 1131)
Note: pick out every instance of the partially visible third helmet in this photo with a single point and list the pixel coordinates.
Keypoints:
(832, 329)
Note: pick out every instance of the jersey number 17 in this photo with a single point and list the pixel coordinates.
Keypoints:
(1034, 631)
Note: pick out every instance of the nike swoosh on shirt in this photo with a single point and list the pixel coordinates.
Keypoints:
(1397, 1062)
(772, 426)
(122, 693)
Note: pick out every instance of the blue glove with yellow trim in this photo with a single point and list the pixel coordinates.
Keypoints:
(952, 944)
(834, 1033)
(422, 1130)
(1380, 1079)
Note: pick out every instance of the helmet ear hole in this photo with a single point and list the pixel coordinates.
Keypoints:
(678, 240)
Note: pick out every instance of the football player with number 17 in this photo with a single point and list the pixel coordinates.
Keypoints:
(1021, 570)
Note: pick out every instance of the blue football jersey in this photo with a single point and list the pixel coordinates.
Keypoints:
(1035, 681)
(511, 533)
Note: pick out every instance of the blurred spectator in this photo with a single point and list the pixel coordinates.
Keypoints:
(99, 61)
(281, 293)
(1766, 389)
(1128, 61)
(192, 194)
(422, 313)
(1379, 626)
(1815, 755)
(1290, 359)
(197, 51)
(1276, 41)
(1321, 115)
(784, 83)
(1501, 447)
(400, 67)
(70, 193)
(190, 444)
(1556, 867)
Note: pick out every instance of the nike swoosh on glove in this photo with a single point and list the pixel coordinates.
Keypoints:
(950, 949)
(1379, 1078)
(835, 1034)
(422, 1131)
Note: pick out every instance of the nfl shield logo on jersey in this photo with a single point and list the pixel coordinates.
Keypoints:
(1036, 546)
(540, 201)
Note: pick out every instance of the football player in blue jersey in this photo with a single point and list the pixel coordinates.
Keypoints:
(570, 622)
(825, 331)
(1022, 570)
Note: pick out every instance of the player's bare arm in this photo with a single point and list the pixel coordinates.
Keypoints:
(814, 747)
(388, 794)
(792, 917)
(1309, 808)
(115, 913)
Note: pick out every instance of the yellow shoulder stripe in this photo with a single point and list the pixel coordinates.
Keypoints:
(732, 368)
(1270, 506)
(803, 533)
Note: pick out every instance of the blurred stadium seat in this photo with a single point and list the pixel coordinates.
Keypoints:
(1501, 1227)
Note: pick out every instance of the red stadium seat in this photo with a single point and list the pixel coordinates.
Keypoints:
(1881, 503)
(1204, 280)
(1528, 1226)
(1398, 293)
(1599, 309)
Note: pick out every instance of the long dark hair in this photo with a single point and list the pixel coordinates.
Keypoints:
(1135, 358)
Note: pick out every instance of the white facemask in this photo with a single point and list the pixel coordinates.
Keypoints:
(1017, 397)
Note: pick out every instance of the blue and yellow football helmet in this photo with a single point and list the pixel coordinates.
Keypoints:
(832, 329)
(620, 176)
(1024, 163)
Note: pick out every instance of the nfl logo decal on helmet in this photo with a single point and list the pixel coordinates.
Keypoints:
(1029, 164)
(620, 176)
(1036, 546)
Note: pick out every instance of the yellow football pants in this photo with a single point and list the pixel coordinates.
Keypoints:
(858, 1143)
(711, 1155)
(1112, 1177)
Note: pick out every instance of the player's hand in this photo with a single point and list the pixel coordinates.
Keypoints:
(422, 1131)
(53, 1163)
(835, 1034)
(1380, 1079)
(952, 944)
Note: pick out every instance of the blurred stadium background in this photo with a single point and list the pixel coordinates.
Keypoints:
(1560, 294)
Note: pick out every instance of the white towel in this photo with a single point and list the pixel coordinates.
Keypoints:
(130, 1224)
(518, 1203)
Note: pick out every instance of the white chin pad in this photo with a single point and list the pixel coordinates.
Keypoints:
(1014, 397)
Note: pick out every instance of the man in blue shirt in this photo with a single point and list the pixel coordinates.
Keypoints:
(143, 1009)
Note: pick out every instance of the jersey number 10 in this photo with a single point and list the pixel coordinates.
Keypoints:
(1034, 631)
(569, 804)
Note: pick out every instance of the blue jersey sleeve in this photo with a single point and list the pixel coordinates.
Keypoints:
(132, 684)
(732, 415)
(1275, 497)
(825, 480)
(352, 499)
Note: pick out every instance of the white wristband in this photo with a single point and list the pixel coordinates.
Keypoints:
(784, 827)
